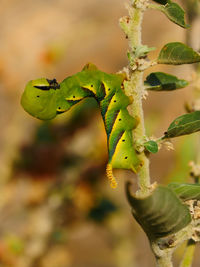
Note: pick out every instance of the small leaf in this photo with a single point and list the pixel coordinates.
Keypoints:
(162, 2)
(177, 53)
(185, 124)
(160, 81)
(161, 213)
(151, 146)
(142, 51)
(186, 191)
(175, 13)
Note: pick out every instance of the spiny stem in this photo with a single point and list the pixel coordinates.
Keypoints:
(164, 256)
(136, 83)
(132, 27)
(164, 262)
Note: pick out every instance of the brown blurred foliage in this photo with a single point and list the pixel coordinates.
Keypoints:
(56, 208)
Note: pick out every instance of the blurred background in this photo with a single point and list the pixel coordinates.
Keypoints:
(56, 206)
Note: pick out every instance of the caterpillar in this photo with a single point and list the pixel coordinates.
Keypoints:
(45, 99)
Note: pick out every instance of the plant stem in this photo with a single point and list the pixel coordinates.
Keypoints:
(136, 83)
(155, 6)
(163, 251)
(134, 87)
(189, 254)
(164, 262)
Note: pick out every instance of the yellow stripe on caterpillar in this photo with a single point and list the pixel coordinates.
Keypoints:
(90, 87)
(107, 88)
(111, 178)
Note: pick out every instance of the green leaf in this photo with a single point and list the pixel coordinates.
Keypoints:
(185, 124)
(161, 213)
(177, 53)
(151, 146)
(142, 51)
(162, 2)
(160, 81)
(186, 191)
(175, 13)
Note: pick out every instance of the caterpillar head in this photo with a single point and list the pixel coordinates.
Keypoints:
(41, 98)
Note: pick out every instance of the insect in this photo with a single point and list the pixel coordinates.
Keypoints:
(45, 99)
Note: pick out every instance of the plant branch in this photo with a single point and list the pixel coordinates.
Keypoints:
(163, 248)
(134, 87)
(164, 261)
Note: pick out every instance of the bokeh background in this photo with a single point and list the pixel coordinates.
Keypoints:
(56, 206)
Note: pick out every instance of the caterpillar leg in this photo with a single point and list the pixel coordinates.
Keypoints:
(113, 182)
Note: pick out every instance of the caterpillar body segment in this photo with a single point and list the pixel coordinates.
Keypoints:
(44, 99)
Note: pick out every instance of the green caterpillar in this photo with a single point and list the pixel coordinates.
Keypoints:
(44, 99)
